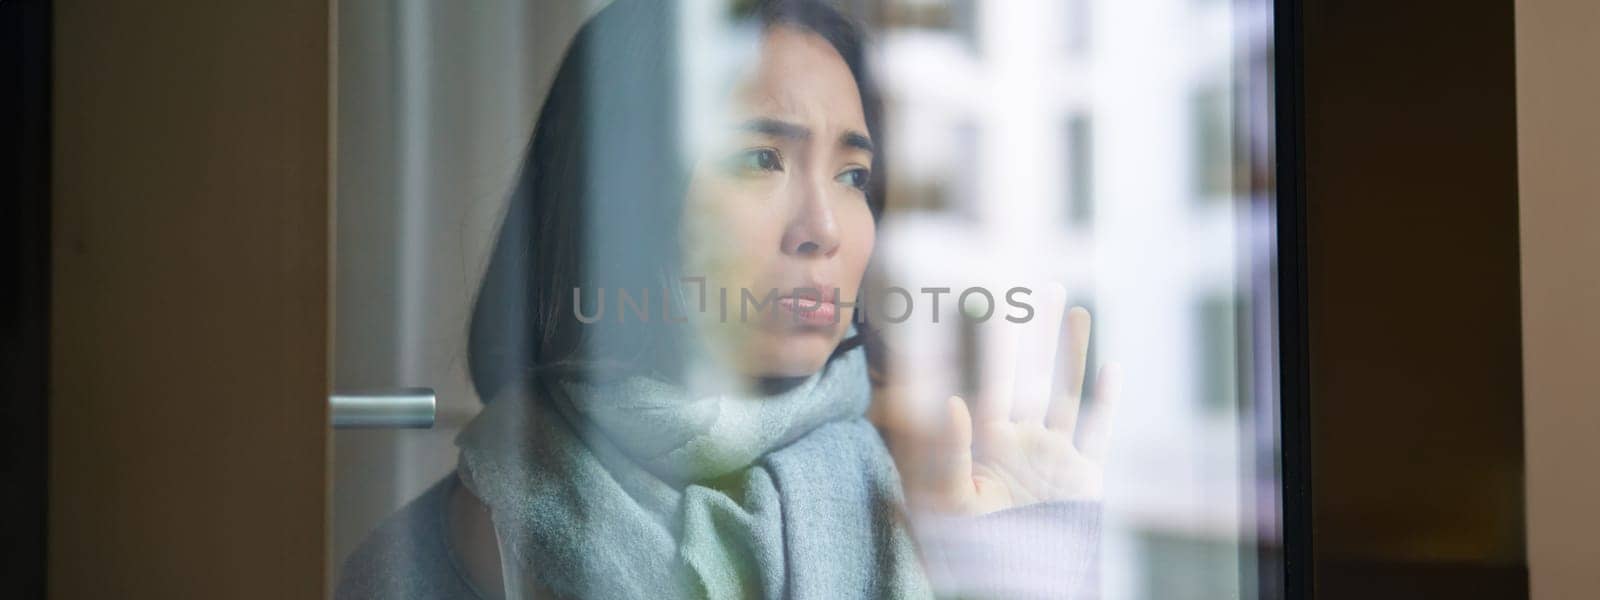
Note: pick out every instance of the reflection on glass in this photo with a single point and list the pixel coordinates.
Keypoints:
(1080, 170)
(771, 299)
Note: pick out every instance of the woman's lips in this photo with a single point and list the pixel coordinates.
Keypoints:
(809, 311)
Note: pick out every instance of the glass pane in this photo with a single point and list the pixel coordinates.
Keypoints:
(760, 298)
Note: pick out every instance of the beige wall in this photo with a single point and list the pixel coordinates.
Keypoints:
(1558, 120)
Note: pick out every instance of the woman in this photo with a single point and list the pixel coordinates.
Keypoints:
(700, 447)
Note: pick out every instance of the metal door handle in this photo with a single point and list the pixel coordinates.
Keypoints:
(406, 408)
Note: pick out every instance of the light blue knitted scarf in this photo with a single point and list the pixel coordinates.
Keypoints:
(638, 489)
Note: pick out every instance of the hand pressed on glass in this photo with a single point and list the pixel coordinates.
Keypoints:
(1020, 444)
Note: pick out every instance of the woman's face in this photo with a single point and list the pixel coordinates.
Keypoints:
(777, 208)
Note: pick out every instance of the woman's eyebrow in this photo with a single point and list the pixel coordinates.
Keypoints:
(794, 131)
(856, 139)
(776, 128)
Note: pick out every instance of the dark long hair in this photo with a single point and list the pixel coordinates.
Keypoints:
(598, 199)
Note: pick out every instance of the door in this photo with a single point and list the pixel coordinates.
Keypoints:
(190, 284)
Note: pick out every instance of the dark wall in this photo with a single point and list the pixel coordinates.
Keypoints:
(24, 269)
(1413, 303)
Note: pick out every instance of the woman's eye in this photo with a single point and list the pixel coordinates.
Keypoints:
(757, 159)
(856, 178)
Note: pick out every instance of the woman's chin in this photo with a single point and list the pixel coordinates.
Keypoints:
(788, 355)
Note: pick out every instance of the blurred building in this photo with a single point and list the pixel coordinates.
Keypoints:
(1120, 148)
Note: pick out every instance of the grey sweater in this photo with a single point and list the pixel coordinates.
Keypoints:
(1041, 551)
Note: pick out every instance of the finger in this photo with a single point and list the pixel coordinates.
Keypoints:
(956, 474)
(937, 469)
(1094, 436)
(1064, 410)
(1037, 357)
(1000, 374)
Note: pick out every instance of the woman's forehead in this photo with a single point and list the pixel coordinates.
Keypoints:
(799, 75)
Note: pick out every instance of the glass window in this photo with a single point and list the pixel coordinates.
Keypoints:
(1077, 33)
(1212, 153)
(1080, 170)
(708, 289)
(954, 17)
(1215, 338)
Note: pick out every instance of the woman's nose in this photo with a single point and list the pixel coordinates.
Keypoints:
(813, 231)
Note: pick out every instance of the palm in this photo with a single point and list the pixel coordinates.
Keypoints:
(1017, 464)
(1018, 444)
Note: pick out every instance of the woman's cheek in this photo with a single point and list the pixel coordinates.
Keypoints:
(861, 236)
(729, 231)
